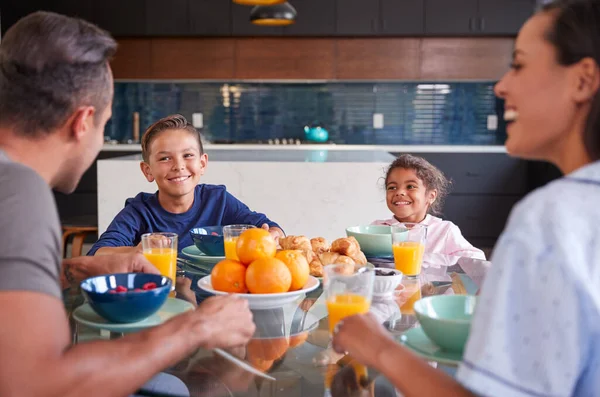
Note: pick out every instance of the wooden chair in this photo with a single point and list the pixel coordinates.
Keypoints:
(78, 228)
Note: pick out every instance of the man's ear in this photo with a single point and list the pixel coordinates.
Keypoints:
(146, 171)
(81, 122)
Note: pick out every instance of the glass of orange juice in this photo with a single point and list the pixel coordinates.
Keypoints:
(161, 250)
(408, 246)
(346, 295)
(230, 236)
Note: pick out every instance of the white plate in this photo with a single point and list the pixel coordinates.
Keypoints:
(264, 301)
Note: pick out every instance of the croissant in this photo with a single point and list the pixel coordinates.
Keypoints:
(327, 258)
(319, 245)
(295, 243)
(301, 243)
(316, 268)
(345, 246)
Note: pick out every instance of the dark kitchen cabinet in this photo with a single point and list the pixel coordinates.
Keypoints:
(503, 17)
(167, 18)
(73, 8)
(210, 17)
(450, 17)
(13, 10)
(380, 17)
(120, 18)
(476, 17)
(315, 18)
(241, 25)
(402, 17)
(357, 17)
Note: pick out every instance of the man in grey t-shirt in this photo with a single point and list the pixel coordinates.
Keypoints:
(55, 99)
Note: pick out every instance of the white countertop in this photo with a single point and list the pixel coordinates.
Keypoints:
(296, 156)
(386, 148)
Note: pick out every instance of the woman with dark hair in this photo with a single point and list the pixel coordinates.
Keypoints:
(536, 330)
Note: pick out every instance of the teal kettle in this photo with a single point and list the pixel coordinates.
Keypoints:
(315, 133)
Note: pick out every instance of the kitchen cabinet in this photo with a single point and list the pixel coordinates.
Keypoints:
(241, 25)
(120, 18)
(315, 18)
(167, 18)
(380, 17)
(210, 17)
(476, 17)
(503, 17)
(357, 17)
(402, 17)
(450, 17)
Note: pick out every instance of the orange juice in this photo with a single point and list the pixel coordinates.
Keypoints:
(408, 256)
(230, 250)
(345, 305)
(165, 260)
(413, 292)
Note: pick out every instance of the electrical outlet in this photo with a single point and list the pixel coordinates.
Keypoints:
(492, 122)
(197, 120)
(378, 120)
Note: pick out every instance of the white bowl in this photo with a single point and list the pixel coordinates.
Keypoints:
(386, 285)
(264, 301)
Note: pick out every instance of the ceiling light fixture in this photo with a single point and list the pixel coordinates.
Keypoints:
(277, 15)
(258, 2)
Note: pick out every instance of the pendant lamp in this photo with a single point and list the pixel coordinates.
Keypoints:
(277, 15)
(258, 2)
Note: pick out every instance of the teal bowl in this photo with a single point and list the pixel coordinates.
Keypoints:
(374, 240)
(446, 319)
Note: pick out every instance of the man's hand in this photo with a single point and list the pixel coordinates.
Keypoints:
(223, 321)
(78, 269)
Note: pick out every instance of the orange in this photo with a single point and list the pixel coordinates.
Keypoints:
(297, 265)
(266, 349)
(229, 276)
(299, 339)
(260, 364)
(255, 244)
(268, 276)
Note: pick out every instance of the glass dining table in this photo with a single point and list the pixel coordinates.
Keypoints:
(292, 343)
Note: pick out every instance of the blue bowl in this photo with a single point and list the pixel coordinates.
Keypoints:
(126, 307)
(207, 242)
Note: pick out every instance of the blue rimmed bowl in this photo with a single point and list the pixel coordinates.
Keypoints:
(209, 240)
(130, 306)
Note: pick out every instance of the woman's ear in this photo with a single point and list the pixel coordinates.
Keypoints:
(146, 171)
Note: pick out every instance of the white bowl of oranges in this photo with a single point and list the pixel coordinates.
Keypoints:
(267, 278)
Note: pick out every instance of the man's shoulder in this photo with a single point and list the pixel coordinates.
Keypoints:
(21, 183)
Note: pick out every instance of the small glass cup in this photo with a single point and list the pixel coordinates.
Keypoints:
(346, 295)
(230, 237)
(161, 250)
(408, 246)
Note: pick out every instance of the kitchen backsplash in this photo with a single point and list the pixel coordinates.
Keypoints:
(413, 113)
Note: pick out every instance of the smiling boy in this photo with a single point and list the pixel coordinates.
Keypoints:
(174, 158)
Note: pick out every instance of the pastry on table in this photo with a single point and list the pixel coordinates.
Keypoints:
(319, 245)
(349, 246)
(301, 243)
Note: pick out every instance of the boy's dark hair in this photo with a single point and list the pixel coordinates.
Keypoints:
(575, 35)
(172, 122)
(432, 178)
(50, 65)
